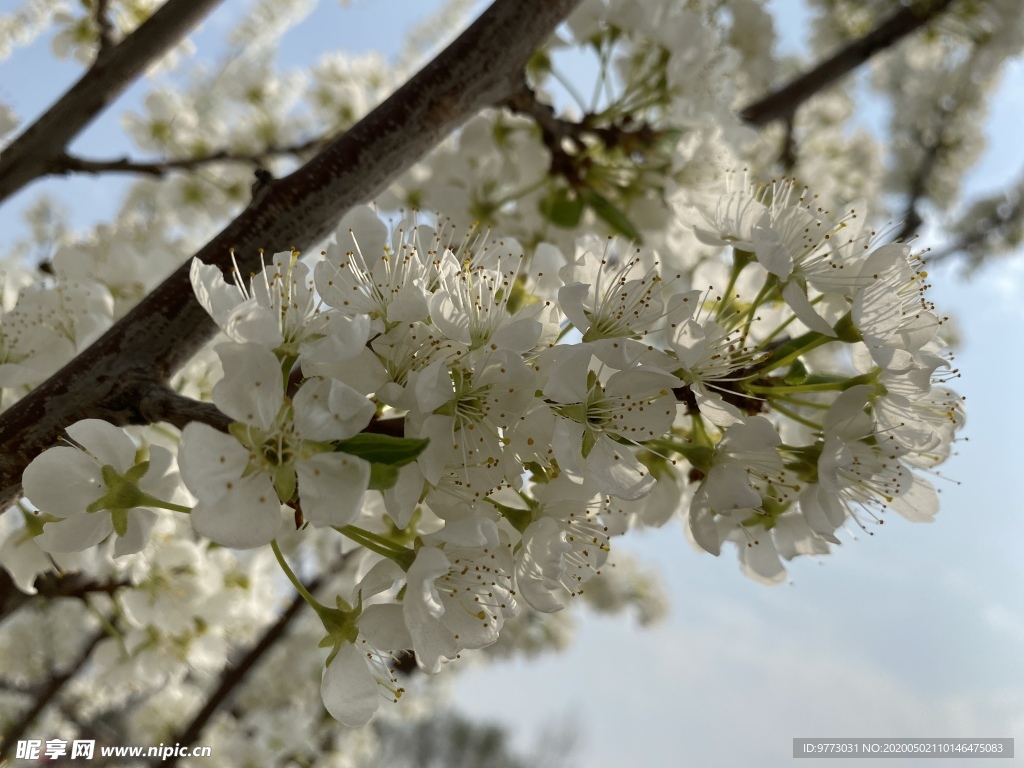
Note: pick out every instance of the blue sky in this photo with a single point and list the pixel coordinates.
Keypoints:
(916, 631)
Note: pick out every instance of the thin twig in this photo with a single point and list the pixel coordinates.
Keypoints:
(166, 328)
(52, 585)
(105, 27)
(32, 153)
(784, 101)
(65, 164)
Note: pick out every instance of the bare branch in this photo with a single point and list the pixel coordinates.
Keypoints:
(65, 164)
(1002, 222)
(106, 28)
(161, 403)
(52, 585)
(17, 729)
(918, 183)
(480, 69)
(31, 154)
(784, 101)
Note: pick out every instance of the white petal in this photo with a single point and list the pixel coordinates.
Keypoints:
(211, 462)
(919, 503)
(728, 488)
(247, 516)
(76, 533)
(348, 689)
(617, 471)
(140, 523)
(760, 560)
(213, 292)
(252, 389)
(804, 310)
(110, 444)
(326, 409)
(63, 481)
(332, 487)
(540, 564)
(383, 627)
(400, 500)
(252, 322)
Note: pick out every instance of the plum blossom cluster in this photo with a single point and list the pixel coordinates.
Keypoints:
(480, 428)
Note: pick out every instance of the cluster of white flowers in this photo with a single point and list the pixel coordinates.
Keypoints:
(480, 430)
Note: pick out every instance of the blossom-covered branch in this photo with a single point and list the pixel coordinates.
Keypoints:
(481, 68)
(9, 738)
(31, 154)
(236, 674)
(785, 100)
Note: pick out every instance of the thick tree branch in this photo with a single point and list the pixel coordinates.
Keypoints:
(17, 729)
(161, 403)
(65, 164)
(31, 154)
(480, 69)
(784, 101)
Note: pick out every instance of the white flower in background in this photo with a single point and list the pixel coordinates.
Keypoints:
(277, 447)
(458, 591)
(98, 489)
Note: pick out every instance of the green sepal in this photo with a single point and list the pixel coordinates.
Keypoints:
(575, 411)
(518, 518)
(119, 517)
(34, 523)
(846, 330)
(609, 214)
(383, 449)
(137, 472)
(285, 483)
(700, 456)
(245, 434)
(589, 441)
(797, 373)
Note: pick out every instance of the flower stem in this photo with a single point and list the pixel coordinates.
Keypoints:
(382, 546)
(313, 602)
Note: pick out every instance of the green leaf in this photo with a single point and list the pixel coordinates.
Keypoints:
(563, 208)
(383, 449)
(609, 214)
